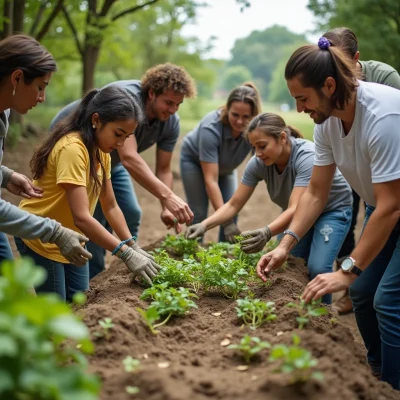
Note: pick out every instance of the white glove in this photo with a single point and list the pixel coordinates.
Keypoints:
(195, 231)
(255, 241)
(70, 246)
(139, 264)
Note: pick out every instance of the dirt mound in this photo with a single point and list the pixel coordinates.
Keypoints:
(200, 368)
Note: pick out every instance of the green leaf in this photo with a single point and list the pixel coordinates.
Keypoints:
(8, 345)
(132, 389)
(69, 326)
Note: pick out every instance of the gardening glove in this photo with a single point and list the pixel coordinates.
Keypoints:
(254, 241)
(70, 246)
(136, 247)
(139, 264)
(230, 231)
(195, 231)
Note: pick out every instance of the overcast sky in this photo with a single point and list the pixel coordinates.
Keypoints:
(223, 19)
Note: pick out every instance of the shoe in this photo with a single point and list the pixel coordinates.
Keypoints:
(344, 305)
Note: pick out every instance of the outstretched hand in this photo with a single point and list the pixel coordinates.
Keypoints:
(179, 209)
(271, 261)
(20, 185)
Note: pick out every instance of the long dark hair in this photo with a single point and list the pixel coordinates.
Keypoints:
(245, 93)
(111, 104)
(27, 54)
(272, 125)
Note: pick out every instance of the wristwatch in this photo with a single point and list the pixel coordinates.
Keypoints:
(349, 266)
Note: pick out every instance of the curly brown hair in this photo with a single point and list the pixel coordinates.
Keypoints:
(167, 76)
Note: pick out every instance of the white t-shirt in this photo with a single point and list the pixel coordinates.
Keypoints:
(370, 153)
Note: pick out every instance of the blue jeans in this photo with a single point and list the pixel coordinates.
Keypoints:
(127, 201)
(63, 279)
(376, 302)
(5, 248)
(195, 190)
(319, 253)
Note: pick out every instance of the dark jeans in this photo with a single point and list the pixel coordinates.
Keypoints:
(127, 201)
(376, 301)
(63, 279)
(5, 248)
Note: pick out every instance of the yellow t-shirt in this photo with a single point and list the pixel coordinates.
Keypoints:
(68, 162)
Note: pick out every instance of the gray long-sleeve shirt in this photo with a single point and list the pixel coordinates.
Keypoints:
(13, 220)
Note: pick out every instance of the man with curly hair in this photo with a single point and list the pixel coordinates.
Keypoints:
(161, 91)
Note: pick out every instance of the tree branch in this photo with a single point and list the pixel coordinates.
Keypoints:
(73, 29)
(106, 7)
(132, 10)
(37, 19)
(49, 21)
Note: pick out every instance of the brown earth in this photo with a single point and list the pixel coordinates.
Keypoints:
(200, 368)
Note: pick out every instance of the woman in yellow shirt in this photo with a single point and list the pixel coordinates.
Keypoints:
(72, 166)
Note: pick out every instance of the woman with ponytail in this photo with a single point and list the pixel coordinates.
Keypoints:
(211, 153)
(284, 160)
(73, 165)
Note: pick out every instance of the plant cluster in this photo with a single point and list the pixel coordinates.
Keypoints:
(179, 246)
(42, 343)
(254, 312)
(249, 347)
(167, 302)
(106, 325)
(308, 311)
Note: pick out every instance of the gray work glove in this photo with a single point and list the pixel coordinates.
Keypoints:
(139, 264)
(230, 231)
(254, 241)
(195, 231)
(136, 247)
(70, 246)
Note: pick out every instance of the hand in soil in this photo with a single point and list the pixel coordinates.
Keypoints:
(20, 185)
(170, 221)
(270, 261)
(178, 208)
(255, 241)
(327, 283)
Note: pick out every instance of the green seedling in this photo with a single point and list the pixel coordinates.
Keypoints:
(131, 364)
(106, 325)
(308, 311)
(255, 312)
(132, 389)
(180, 246)
(167, 302)
(249, 347)
(296, 361)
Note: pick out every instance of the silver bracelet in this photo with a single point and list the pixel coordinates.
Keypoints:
(293, 234)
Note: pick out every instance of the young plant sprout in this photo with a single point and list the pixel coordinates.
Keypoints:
(295, 361)
(180, 246)
(308, 311)
(255, 312)
(131, 364)
(249, 347)
(107, 325)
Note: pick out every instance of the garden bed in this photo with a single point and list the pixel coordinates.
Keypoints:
(185, 360)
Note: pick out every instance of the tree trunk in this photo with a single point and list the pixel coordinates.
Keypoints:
(8, 18)
(90, 57)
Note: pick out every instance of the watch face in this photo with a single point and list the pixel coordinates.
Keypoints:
(347, 264)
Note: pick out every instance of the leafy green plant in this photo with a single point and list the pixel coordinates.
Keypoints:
(106, 324)
(255, 312)
(249, 347)
(307, 311)
(296, 361)
(131, 364)
(180, 246)
(167, 302)
(42, 343)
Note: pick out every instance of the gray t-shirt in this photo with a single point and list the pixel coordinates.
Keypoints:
(212, 142)
(164, 134)
(379, 72)
(369, 153)
(296, 174)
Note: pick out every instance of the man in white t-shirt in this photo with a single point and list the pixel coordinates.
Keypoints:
(358, 130)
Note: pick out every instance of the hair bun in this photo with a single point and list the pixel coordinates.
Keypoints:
(323, 43)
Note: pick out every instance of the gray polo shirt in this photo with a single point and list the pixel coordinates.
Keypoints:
(212, 142)
(164, 134)
(296, 174)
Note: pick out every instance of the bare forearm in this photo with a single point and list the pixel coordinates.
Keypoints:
(374, 237)
(167, 178)
(223, 214)
(117, 222)
(214, 194)
(145, 177)
(282, 221)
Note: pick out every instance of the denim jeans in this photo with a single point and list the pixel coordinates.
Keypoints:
(127, 201)
(195, 190)
(63, 279)
(5, 248)
(376, 301)
(321, 244)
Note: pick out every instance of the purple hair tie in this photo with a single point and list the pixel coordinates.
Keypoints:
(323, 43)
